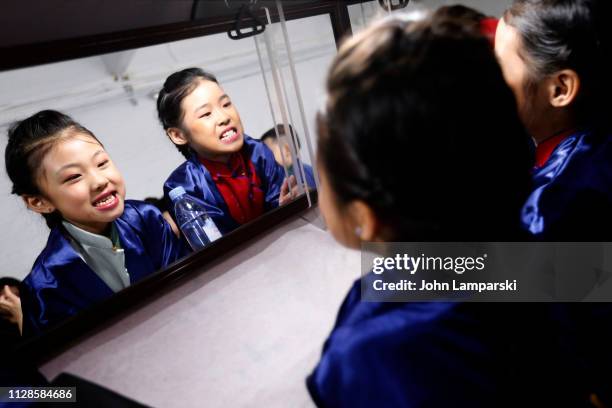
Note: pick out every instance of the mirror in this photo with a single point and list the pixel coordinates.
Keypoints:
(272, 84)
(274, 79)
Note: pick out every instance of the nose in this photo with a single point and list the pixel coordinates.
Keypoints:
(222, 118)
(98, 181)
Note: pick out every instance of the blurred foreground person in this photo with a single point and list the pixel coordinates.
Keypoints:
(420, 141)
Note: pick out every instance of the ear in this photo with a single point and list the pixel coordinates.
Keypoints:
(38, 204)
(364, 221)
(563, 88)
(177, 136)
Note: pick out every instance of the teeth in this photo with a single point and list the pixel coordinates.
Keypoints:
(227, 134)
(105, 200)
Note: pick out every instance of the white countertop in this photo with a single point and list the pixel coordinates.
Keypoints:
(246, 332)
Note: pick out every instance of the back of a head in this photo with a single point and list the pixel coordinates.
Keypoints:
(569, 34)
(466, 16)
(280, 130)
(420, 125)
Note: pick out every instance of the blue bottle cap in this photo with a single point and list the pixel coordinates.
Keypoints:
(176, 192)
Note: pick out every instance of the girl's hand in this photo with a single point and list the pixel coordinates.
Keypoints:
(10, 307)
(288, 191)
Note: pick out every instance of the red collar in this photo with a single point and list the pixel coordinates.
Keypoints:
(545, 149)
(488, 27)
(234, 167)
(239, 185)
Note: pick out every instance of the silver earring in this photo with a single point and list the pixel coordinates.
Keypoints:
(358, 231)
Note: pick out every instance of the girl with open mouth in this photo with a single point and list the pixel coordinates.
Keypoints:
(99, 242)
(235, 176)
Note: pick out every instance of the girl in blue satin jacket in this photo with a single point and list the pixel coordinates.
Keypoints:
(401, 159)
(99, 243)
(235, 176)
(557, 57)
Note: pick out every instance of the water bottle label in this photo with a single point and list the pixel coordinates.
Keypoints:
(212, 232)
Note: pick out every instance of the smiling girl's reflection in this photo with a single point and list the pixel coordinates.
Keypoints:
(99, 243)
(235, 176)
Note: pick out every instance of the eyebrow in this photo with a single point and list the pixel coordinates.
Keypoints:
(207, 104)
(66, 166)
(201, 107)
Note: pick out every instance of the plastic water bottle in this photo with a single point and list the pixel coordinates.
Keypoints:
(195, 224)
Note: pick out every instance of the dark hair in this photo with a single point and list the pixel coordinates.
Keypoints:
(568, 34)
(465, 15)
(421, 125)
(280, 129)
(29, 141)
(9, 281)
(176, 87)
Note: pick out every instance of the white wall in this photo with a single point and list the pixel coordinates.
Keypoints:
(127, 124)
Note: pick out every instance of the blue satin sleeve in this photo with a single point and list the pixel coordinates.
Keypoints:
(572, 193)
(402, 360)
(438, 354)
(197, 182)
(162, 246)
(310, 180)
(270, 172)
(44, 303)
(59, 285)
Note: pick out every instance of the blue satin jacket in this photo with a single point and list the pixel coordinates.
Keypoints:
(572, 192)
(309, 173)
(572, 201)
(198, 183)
(61, 284)
(438, 354)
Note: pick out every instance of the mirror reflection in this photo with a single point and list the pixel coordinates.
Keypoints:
(99, 242)
(118, 165)
(234, 176)
(275, 139)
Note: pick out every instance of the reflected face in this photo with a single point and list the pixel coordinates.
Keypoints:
(276, 150)
(79, 180)
(335, 217)
(211, 123)
(531, 101)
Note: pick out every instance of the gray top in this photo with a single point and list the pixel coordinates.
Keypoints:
(106, 259)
